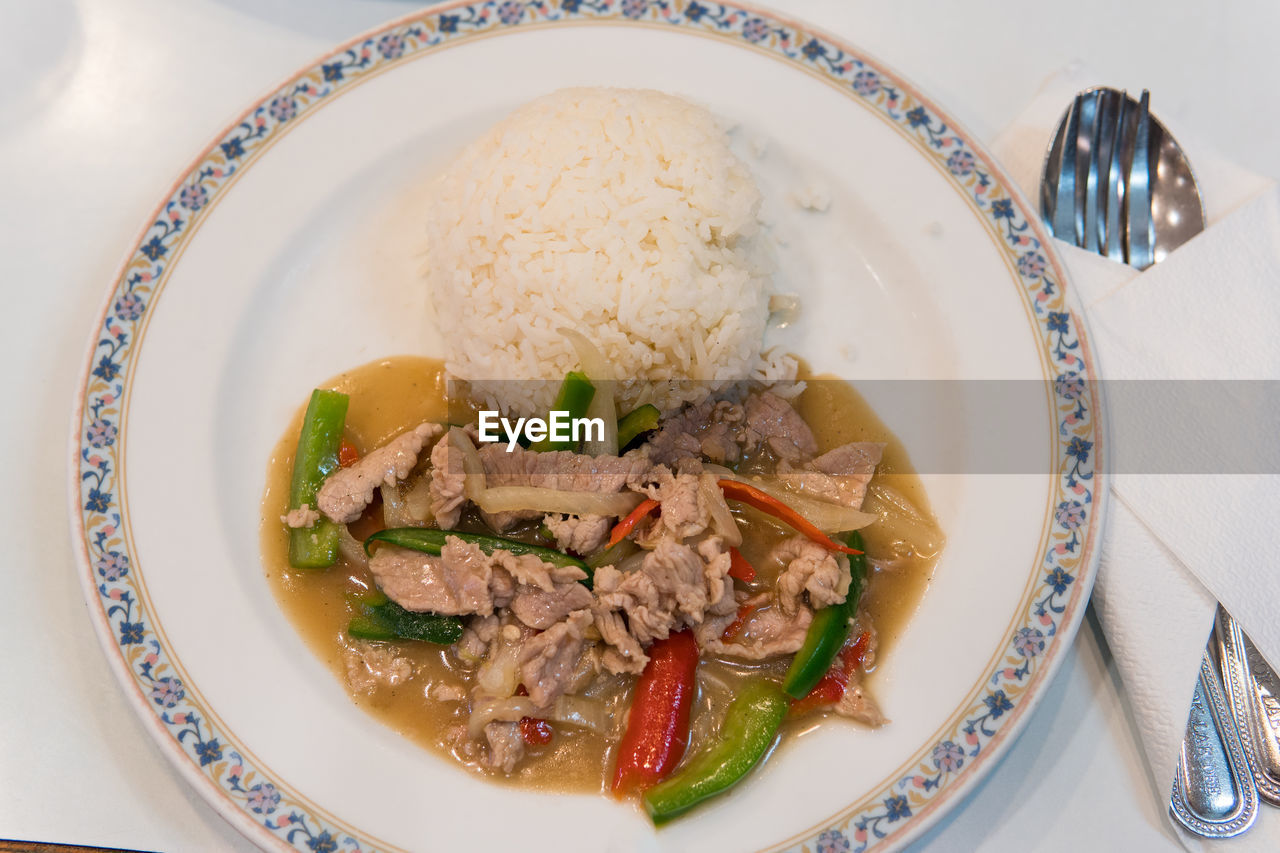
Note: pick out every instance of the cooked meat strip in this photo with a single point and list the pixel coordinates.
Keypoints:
(683, 510)
(464, 579)
(674, 585)
(527, 569)
(623, 654)
(840, 475)
(765, 633)
(303, 516)
(561, 469)
(809, 568)
(461, 580)
(370, 666)
(712, 429)
(771, 421)
(581, 535)
(541, 609)
(668, 583)
(857, 704)
(347, 491)
(716, 564)
(447, 485)
(476, 637)
(506, 745)
(548, 660)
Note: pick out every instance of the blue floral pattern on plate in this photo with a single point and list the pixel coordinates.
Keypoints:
(882, 815)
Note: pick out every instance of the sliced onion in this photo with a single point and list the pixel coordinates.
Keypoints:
(417, 501)
(899, 519)
(351, 549)
(580, 711)
(826, 516)
(473, 480)
(722, 521)
(394, 512)
(508, 710)
(603, 405)
(498, 677)
(516, 498)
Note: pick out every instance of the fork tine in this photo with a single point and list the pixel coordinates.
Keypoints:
(1064, 205)
(1139, 208)
(1113, 243)
(1093, 115)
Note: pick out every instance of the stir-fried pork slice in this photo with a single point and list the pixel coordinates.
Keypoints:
(548, 660)
(541, 609)
(370, 666)
(810, 568)
(461, 580)
(840, 475)
(562, 469)
(675, 585)
(447, 485)
(858, 705)
(684, 513)
(303, 516)
(668, 584)
(712, 429)
(506, 745)
(623, 652)
(765, 632)
(584, 535)
(771, 421)
(476, 637)
(716, 565)
(528, 570)
(347, 492)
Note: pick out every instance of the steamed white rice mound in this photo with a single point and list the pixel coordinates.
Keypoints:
(618, 213)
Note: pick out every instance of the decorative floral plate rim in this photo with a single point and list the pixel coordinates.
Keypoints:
(269, 811)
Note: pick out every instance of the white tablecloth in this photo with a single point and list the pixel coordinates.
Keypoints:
(104, 101)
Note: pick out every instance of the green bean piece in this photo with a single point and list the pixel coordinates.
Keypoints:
(428, 540)
(829, 629)
(635, 423)
(575, 395)
(379, 618)
(316, 547)
(749, 728)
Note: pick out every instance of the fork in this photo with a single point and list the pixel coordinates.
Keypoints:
(1096, 191)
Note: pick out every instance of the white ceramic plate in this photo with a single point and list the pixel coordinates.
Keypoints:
(301, 221)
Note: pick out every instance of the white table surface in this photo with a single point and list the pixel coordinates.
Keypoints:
(106, 100)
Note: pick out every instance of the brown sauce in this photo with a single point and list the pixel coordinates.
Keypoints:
(391, 395)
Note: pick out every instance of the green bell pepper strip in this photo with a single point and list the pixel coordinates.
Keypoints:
(316, 458)
(749, 728)
(828, 630)
(429, 541)
(380, 618)
(576, 393)
(635, 422)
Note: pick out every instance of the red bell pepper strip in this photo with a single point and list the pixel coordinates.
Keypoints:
(830, 689)
(751, 496)
(348, 455)
(739, 568)
(657, 731)
(622, 528)
(533, 731)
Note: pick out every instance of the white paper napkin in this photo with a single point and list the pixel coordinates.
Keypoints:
(1175, 545)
